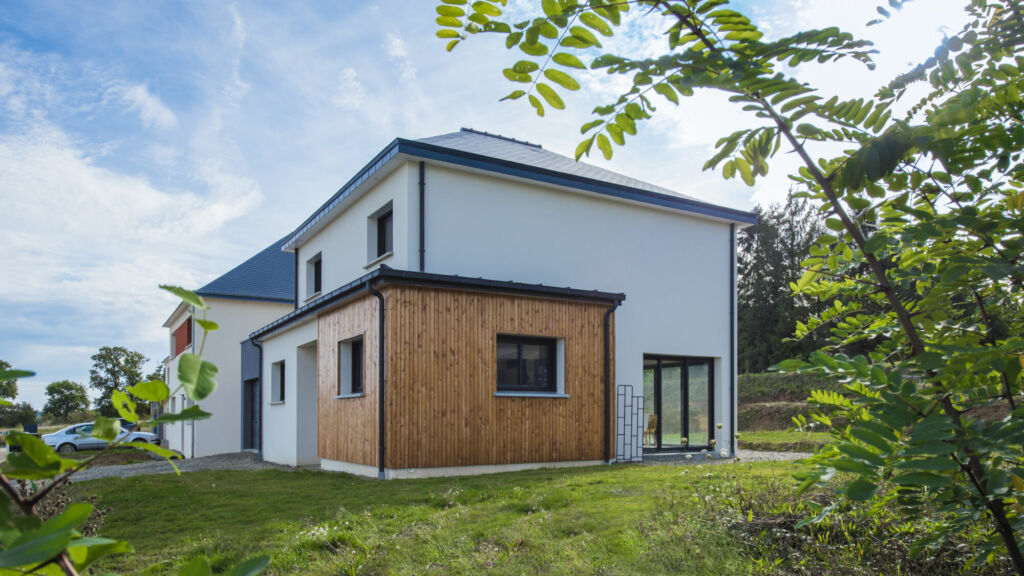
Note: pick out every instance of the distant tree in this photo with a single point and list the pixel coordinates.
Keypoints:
(8, 387)
(17, 415)
(114, 368)
(65, 398)
(769, 256)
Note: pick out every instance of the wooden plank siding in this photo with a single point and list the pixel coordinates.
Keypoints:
(347, 427)
(442, 376)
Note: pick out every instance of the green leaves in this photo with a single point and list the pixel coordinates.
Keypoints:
(196, 376)
(151, 391)
(567, 60)
(562, 79)
(106, 428)
(186, 414)
(36, 460)
(124, 405)
(187, 296)
(550, 96)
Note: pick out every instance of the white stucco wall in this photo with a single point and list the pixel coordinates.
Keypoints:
(289, 427)
(221, 433)
(673, 268)
(343, 242)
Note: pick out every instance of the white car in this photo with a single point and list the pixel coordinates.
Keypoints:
(77, 437)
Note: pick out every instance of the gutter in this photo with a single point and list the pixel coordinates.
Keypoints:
(608, 381)
(380, 379)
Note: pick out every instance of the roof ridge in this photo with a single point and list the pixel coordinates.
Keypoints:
(500, 137)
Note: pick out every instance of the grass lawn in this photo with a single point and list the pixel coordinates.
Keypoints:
(782, 440)
(721, 519)
(599, 520)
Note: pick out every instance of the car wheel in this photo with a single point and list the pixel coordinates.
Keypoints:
(67, 448)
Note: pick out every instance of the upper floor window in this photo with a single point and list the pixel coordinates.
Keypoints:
(314, 275)
(527, 364)
(385, 228)
(181, 339)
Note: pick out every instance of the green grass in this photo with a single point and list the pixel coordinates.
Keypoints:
(600, 520)
(782, 440)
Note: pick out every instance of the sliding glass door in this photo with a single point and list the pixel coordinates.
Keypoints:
(678, 402)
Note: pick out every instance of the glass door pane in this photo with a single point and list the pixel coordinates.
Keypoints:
(650, 408)
(672, 431)
(698, 401)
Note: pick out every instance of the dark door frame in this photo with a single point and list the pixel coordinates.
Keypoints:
(686, 362)
(252, 401)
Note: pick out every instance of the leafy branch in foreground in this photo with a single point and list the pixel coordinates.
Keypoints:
(922, 261)
(30, 544)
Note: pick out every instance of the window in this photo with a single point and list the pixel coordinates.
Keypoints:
(527, 364)
(384, 233)
(173, 409)
(181, 339)
(277, 382)
(314, 275)
(350, 367)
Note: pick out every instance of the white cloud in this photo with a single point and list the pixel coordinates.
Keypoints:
(149, 107)
(396, 50)
(349, 94)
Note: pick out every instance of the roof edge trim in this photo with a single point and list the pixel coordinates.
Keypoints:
(488, 163)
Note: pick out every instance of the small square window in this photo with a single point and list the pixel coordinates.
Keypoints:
(384, 233)
(277, 382)
(350, 366)
(527, 364)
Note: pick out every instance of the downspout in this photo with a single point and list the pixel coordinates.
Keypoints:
(608, 381)
(732, 339)
(296, 278)
(380, 379)
(423, 218)
(259, 345)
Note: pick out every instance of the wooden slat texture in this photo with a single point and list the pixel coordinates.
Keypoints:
(347, 427)
(442, 375)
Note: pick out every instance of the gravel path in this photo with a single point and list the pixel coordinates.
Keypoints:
(241, 461)
(741, 456)
(248, 461)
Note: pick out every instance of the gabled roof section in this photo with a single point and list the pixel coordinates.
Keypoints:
(511, 157)
(527, 154)
(268, 276)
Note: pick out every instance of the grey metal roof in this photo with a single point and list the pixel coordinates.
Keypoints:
(269, 276)
(520, 152)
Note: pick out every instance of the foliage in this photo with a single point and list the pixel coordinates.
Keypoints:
(782, 440)
(768, 260)
(114, 369)
(12, 415)
(53, 538)
(65, 398)
(782, 386)
(8, 386)
(923, 258)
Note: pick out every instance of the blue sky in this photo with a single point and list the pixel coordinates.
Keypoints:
(164, 142)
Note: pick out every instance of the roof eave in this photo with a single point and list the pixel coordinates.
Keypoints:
(470, 160)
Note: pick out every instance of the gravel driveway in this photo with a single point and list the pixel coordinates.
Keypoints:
(240, 461)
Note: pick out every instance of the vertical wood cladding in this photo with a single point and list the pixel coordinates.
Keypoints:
(442, 376)
(347, 427)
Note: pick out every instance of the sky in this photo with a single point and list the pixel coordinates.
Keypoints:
(144, 143)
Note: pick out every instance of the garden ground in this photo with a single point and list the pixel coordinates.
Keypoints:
(733, 518)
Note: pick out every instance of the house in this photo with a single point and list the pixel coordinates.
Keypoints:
(471, 303)
(249, 296)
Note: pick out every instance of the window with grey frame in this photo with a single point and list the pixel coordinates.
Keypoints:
(527, 364)
(350, 367)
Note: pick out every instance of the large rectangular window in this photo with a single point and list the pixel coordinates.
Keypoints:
(277, 382)
(527, 364)
(384, 234)
(350, 367)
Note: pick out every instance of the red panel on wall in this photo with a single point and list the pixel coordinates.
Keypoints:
(183, 337)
